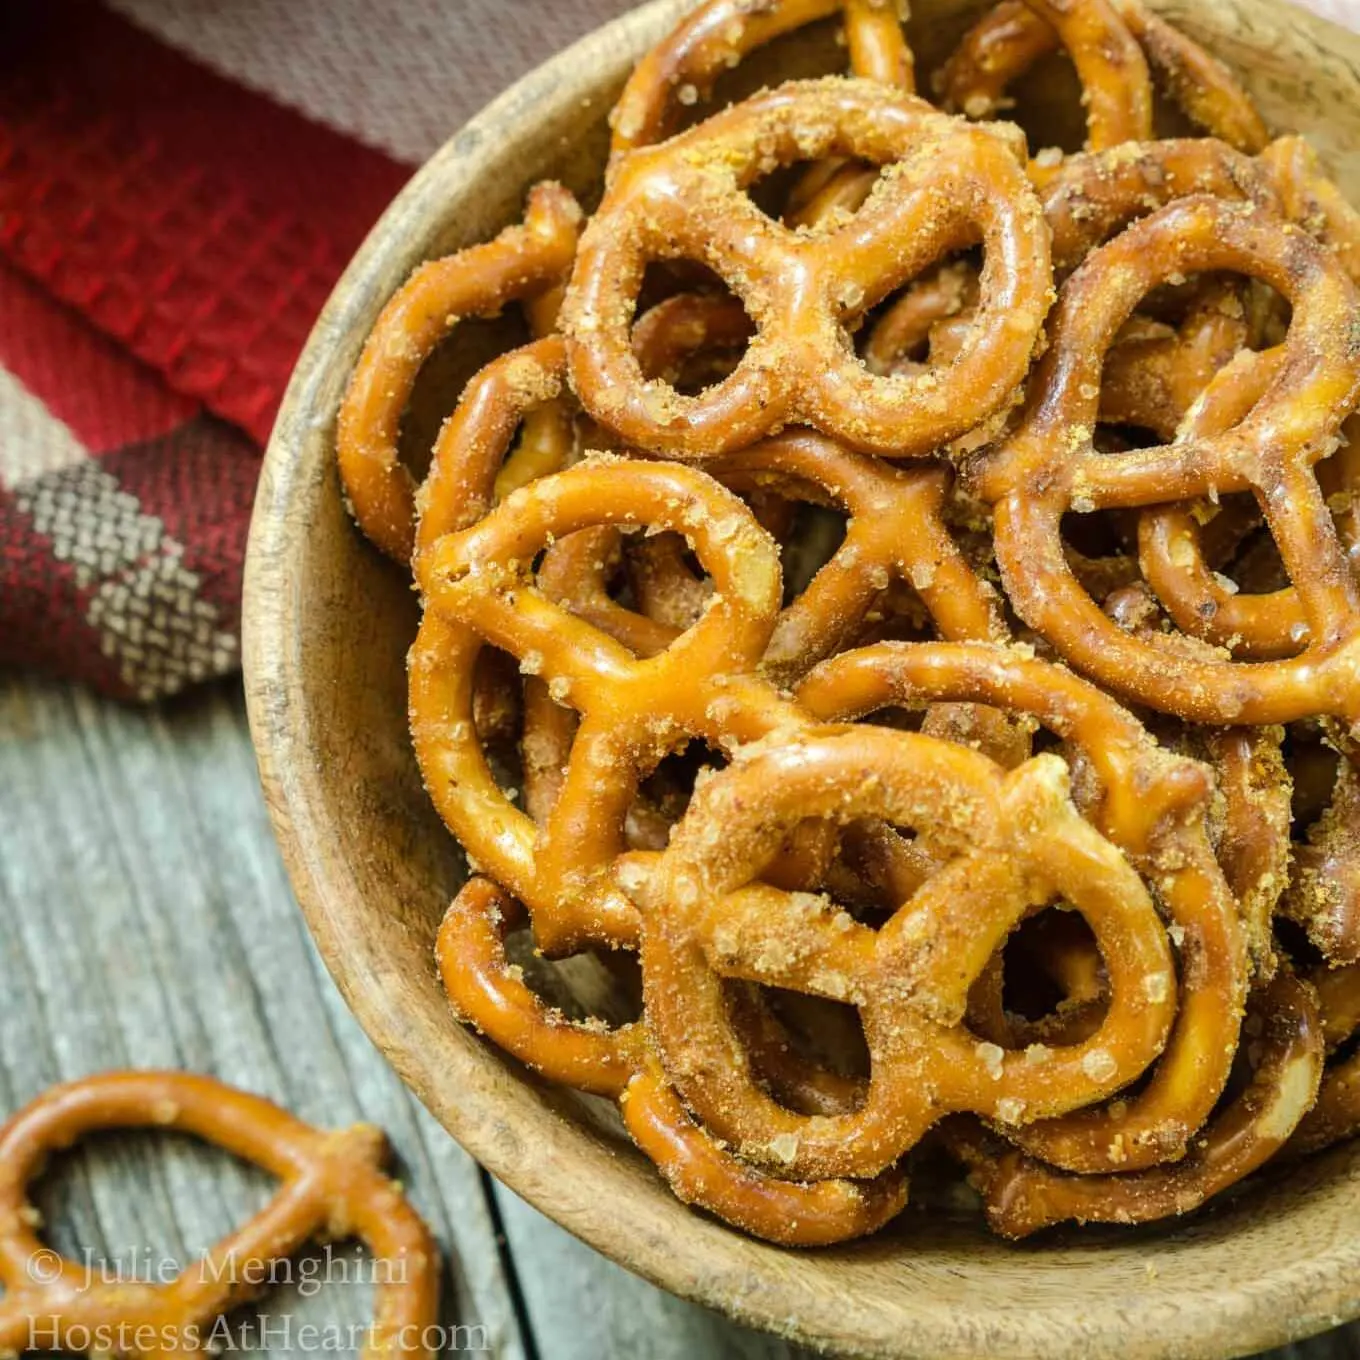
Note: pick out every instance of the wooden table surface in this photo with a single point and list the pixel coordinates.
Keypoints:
(145, 920)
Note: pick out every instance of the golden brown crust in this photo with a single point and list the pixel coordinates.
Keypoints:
(333, 1186)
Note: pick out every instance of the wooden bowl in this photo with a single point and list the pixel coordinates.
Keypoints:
(327, 626)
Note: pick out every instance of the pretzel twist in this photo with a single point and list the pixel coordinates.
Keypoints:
(1023, 1196)
(1014, 839)
(633, 711)
(1010, 38)
(1143, 800)
(333, 1186)
(521, 263)
(1336, 1115)
(946, 186)
(683, 67)
(1049, 466)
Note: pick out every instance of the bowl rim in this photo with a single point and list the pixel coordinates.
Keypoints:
(1184, 1317)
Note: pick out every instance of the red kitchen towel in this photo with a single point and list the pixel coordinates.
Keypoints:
(166, 239)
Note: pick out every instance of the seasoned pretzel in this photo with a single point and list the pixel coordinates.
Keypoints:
(479, 588)
(522, 262)
(684, 66)
(1147, 802)
(1336, 1115)
(333, 1185)
(1172, 552)
(945, 186)
(700, 1171)
(1022, 1196)
(1313, 201)
(1011, 37)
(1116, 88)
(1324, 893)
(488, 992)
(1014, 839)
(1091, 197)
(1048, 466)
(1253, 842)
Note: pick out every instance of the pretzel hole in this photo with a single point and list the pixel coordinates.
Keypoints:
(807, 1052)
(600, 988)
(665, 793)
(814, 536)
(469, 347)
(924, 321)
(1047, 964)
(690, 330)
(1046, 102)
(1313, 765)
(91, 1214)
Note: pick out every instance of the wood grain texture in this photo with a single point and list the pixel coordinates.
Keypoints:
(328, 625)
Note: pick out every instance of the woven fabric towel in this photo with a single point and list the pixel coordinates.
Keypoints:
(181, 181)
(180, 186)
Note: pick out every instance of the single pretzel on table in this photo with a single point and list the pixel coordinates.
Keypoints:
(1048, 467)
(944, 186)
(522, 263)
(1012, 36)
(333, 1186)
(1147, 802)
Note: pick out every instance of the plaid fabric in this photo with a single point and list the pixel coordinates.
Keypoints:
(180, 185)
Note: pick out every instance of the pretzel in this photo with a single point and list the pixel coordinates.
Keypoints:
(522, 262)
(1010, 38)
(487, 992)
(1144, 800)
(718, 35)
(1203, 602)
(1022, 1196)
(1324, 892)
(1091, 197)
(1015, 839)
(1253, 843)
(1048, 466)
(1313, 201)
(633, 711)
(1116, 88)
(333, 1185)
(1336, 1115)
(946, 185)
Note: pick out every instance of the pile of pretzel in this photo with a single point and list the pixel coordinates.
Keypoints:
(1020, 820)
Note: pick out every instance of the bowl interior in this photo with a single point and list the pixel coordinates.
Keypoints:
(328, 623)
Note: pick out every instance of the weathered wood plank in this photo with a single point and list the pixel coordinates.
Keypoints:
(145, 920)
(582, 1306)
